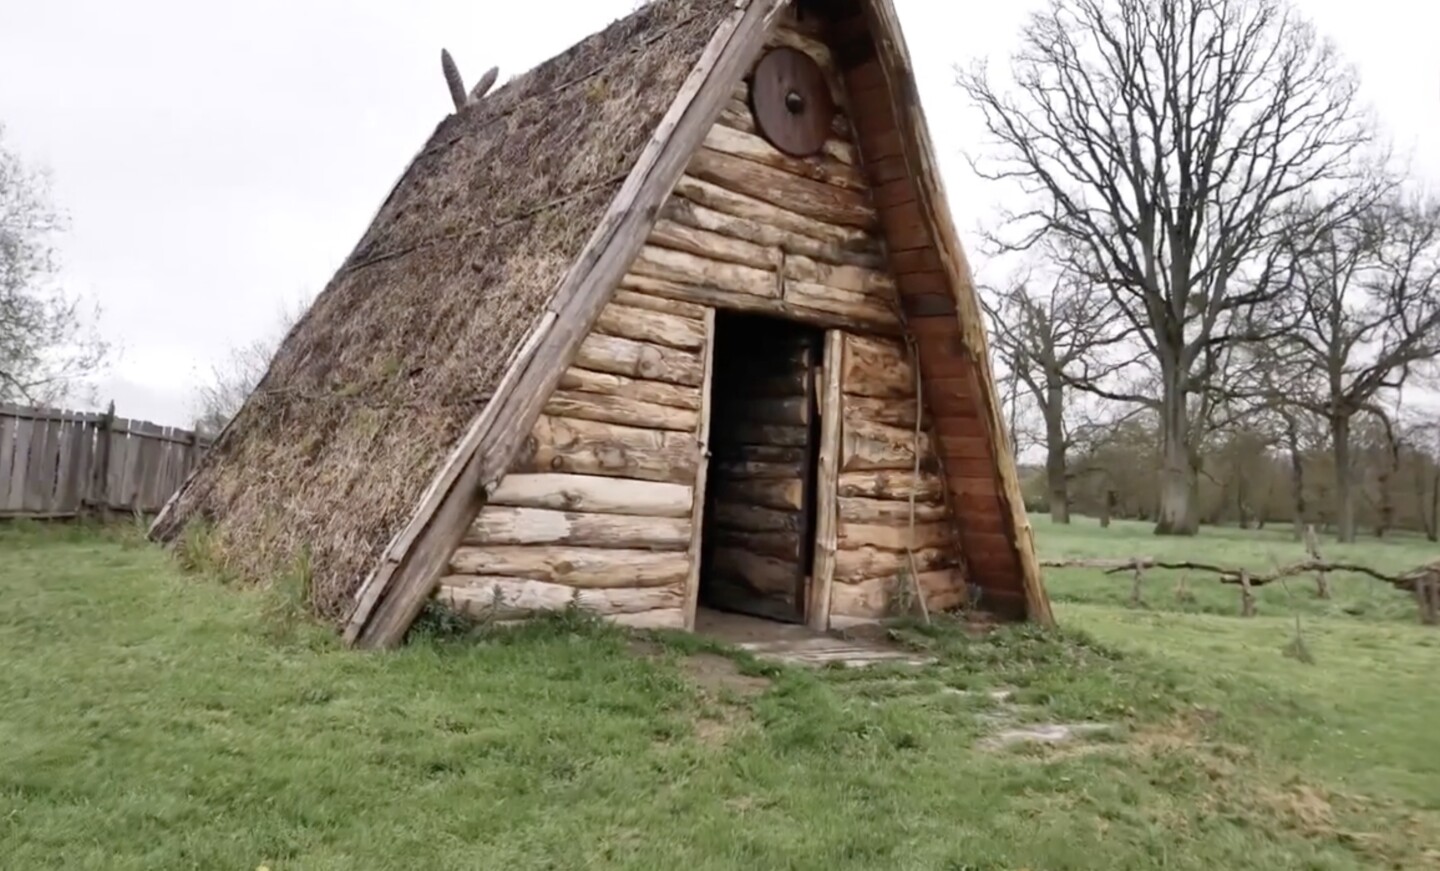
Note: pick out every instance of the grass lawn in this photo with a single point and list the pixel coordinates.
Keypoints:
(152, 720)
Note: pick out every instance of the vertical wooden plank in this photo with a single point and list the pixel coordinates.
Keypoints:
(40, 466)
(77, 464)
(697, 511)
(828, 482)
(8, 423)
(149, 498)
(63, 470)
(117, 484)
(14, 500)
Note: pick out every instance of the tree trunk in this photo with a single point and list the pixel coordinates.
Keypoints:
(1297, 485)
(1056, 472)
(1176, 514)
(1344, 475)
(1107, 508)
(1432, 527)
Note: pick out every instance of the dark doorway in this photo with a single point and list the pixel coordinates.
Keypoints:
(758, 542)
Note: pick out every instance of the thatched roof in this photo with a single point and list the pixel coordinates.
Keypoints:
(374, 386)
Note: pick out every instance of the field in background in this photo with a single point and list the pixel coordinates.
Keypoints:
(157, 720)
(1354, 596)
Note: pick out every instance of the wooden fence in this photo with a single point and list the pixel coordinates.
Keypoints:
(56, 464)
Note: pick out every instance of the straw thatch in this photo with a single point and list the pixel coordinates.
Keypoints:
(374, 386)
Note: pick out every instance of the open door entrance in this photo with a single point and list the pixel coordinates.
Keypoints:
(758, 544)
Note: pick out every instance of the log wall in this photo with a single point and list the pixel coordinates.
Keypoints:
(877, 476)
(752, 229)
(600, 508)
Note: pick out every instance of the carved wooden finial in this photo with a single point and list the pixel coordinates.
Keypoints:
(452, 79)
(483, 86)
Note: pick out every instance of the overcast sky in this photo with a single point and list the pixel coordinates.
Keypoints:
(219, 159)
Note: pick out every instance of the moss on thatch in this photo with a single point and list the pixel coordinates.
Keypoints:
(374, 386)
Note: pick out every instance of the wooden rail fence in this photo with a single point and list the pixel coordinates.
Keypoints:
(56, 463)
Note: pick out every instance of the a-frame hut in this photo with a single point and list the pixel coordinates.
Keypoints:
(677, 319)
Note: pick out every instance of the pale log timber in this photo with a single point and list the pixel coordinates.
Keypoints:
(646, 325)
(608, 384)
(898, 485)
(585, 447)
(621, 410)
(503, 526)
(585, 567)
(634, 359)
(590, 493)
(869, 562)
(495, 598)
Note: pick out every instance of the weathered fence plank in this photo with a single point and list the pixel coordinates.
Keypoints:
(58, 463)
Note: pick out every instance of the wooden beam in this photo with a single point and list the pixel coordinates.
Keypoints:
(702, 476)
(397, 589)
(827, 484)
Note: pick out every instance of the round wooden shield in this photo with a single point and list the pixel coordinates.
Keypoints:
(791, 101)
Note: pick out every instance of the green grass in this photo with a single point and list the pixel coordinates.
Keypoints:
(1354, 596)
(154, 720)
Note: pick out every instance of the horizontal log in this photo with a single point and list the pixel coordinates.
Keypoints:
(646, 325)
(737, 115)
(659, 304)
(888, 512)
(761, 471)
(492, 598)
(779, 384)
(859, 308)
(789, 411)
(585, 447)
(622, 410)
(600, 353)
(870, 562)
(856, 279)
(671, 265)
(787, 546)
(894, 412)
(825, 243)
(642, 389)
(786, 495)
(776, 454)
(867, 446)
(813, 199)
(897, 537)
(878, 367)
(865, 321)
(749, 433)
(584, 567)
(661, 618)
(752, 518)
(928, 488)
(874, 597)
(504, 525)
(595, 494)
(761, 573)
(715, 246)
(820, 168)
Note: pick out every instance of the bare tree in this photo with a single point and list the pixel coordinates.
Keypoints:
(47, 341)
(1163, 140)
(230, 382)
(1039, 336)
(1367, 311)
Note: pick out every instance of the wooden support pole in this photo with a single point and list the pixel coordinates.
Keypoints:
(1136, 600)
(1247, 595)
(1322, 578)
